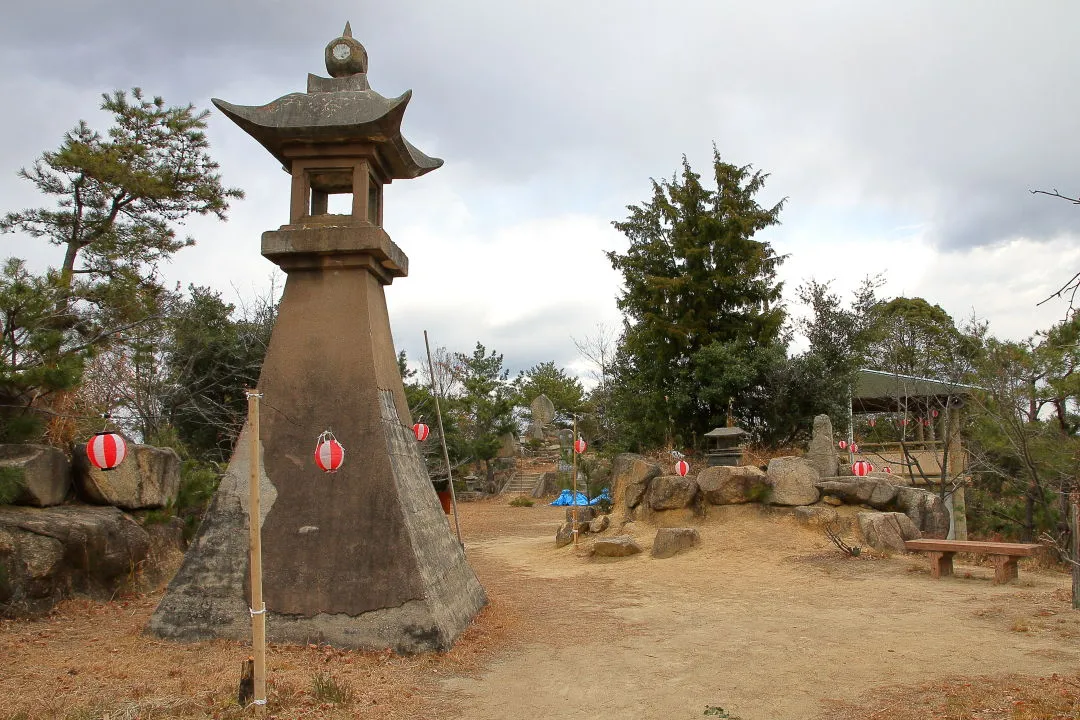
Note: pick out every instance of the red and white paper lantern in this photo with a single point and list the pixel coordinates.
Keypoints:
(579, 446)
(861, 468)
(682, 467)
(329, 454)
(854, 448)
(106, 450)
(421, 431)
(887, 469)
(842, 444)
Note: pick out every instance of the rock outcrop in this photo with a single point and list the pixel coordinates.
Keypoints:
(618, 546)
(793, 480)
(48, 553)
(630, 477)
(887, 530)
(43, 472)
(671, 492)
(148, 478)
(672, 541)
(822, 453)
(925, 509)
(732, 485)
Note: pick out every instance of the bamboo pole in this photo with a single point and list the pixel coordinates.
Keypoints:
(442, 438)
(573, 452)
(258, 608)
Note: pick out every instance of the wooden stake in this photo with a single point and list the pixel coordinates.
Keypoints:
(258, 608)
(442, 437)
(573, 452)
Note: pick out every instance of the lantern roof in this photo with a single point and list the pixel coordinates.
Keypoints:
(335, 111)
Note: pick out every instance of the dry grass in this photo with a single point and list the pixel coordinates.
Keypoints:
(1010, 697)
(90, 661)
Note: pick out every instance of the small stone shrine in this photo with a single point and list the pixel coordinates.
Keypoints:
(362, 557)
(724, 446)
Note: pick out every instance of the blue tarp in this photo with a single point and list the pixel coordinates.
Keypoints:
(567, 498)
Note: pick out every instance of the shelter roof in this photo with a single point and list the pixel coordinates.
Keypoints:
(878, 391)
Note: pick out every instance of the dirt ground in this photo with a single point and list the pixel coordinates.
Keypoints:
(764, 619)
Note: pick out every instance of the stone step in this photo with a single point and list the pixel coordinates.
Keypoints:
(521, 483)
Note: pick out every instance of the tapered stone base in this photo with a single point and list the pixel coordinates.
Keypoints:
(360, 558)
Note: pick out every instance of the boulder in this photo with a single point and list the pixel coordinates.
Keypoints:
(565, 535)
(148, 478)
(832, 500)
(887, 530)
(870, 491)
(49, 553)
(43, 472)
(672, 541)
(793, 481)
(585, 513)
(731, 484)
(600, 524)
(822, 453)
(671, 492)
(618, 546)
(630, 477)
(925, 509)
(816, 514)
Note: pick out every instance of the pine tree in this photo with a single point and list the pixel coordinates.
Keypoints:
(699, 289)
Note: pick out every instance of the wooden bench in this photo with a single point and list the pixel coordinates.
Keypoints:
(1004, 555)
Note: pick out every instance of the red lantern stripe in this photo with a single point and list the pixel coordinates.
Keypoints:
(329, 455)
(106, 450)
(579, 446)
(421, 431)
(682, 467)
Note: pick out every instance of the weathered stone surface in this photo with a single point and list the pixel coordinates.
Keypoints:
(49, 553)
(548, 485)
(822, 453)
(793, 481)
(861, 491)
(45, 473)
(148, 478)
(671, 492)
(731, 484)
(564, 535)
(816, 514)
(630, 477)
(582, 513)
(672, 541)
(600, 524)
(925, 509)
(618, 546)
(887, 530)
(439, 594)
(832, 500)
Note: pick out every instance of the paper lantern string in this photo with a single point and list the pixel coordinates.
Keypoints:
(258, 612)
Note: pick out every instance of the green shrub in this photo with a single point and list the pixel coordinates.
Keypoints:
(12, 483)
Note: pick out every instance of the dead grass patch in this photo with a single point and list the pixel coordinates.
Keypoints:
(1003, 697)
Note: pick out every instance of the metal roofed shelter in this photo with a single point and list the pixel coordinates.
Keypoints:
(925, 414)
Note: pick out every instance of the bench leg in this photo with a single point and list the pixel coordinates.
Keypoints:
(1005, 569)
(940, 564)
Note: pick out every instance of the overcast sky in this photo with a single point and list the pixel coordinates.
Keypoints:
(906, 137)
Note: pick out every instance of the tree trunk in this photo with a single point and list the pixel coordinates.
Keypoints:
(1074, 527)
(1029, 513)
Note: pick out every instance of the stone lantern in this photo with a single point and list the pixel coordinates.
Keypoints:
(362, 557)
